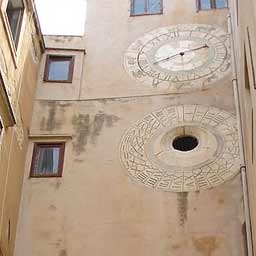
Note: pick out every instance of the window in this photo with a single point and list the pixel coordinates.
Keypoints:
(145, 7)
(47, 160)
(212, 4)
(15, 11)
(1, 129)
(59, 68)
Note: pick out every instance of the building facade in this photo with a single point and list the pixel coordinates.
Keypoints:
(135, 144)
(21, 47)
(244, 36)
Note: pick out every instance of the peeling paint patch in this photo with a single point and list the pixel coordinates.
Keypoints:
(206, 245)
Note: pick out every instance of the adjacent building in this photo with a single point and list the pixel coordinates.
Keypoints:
(244, 23)
(21, 47)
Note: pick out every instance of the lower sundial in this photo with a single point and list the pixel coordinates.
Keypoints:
(182, 148)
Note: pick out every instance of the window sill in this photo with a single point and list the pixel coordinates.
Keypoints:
(46, 176)
(50, 137)
(146, 14)
(213, 9)
(58, 81)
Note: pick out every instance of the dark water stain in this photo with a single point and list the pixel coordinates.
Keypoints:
(52, 207)
(63, 252)
(89, 127)
(110, 120)
(50, 122)
(97, 126)
(182, 199)
(81, 125)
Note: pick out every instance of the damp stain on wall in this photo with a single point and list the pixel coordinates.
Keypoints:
(63, 252)
(89, 127)
(53, 120)
(182, 202)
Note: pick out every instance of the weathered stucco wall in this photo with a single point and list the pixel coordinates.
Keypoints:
(96, 208)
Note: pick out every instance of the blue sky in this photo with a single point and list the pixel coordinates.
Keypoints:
(61, 17)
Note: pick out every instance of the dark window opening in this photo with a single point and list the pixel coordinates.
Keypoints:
(15, 11)
(212, 4)
(1, 128)
(146, 7)
(47, 160)
(185, 143)
(9, 231)
(59, 68)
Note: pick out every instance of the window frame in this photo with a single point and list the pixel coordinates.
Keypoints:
(60, 57)
(132, 14)
(37, 146)
(213, 6)
(16, 38)
(14, 42)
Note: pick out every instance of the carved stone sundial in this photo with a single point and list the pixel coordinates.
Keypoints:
(182, 148)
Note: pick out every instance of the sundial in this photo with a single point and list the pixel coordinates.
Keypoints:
(182, 148)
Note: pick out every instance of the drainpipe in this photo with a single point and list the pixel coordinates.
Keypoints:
(240, 134)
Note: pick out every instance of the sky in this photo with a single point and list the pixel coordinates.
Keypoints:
(61, 17)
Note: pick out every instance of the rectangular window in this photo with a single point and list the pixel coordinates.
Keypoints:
(47, 160)
(146, 7)
(15, 11)
(212, 4)
(59, 68)
(221, 4)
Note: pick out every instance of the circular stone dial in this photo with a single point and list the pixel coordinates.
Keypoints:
(180, 58)
(148, 155)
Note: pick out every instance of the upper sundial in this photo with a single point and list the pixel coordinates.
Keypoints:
(180, 58)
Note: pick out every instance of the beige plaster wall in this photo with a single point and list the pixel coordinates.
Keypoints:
(96, 208)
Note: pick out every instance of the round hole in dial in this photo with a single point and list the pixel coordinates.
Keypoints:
(185, 143)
